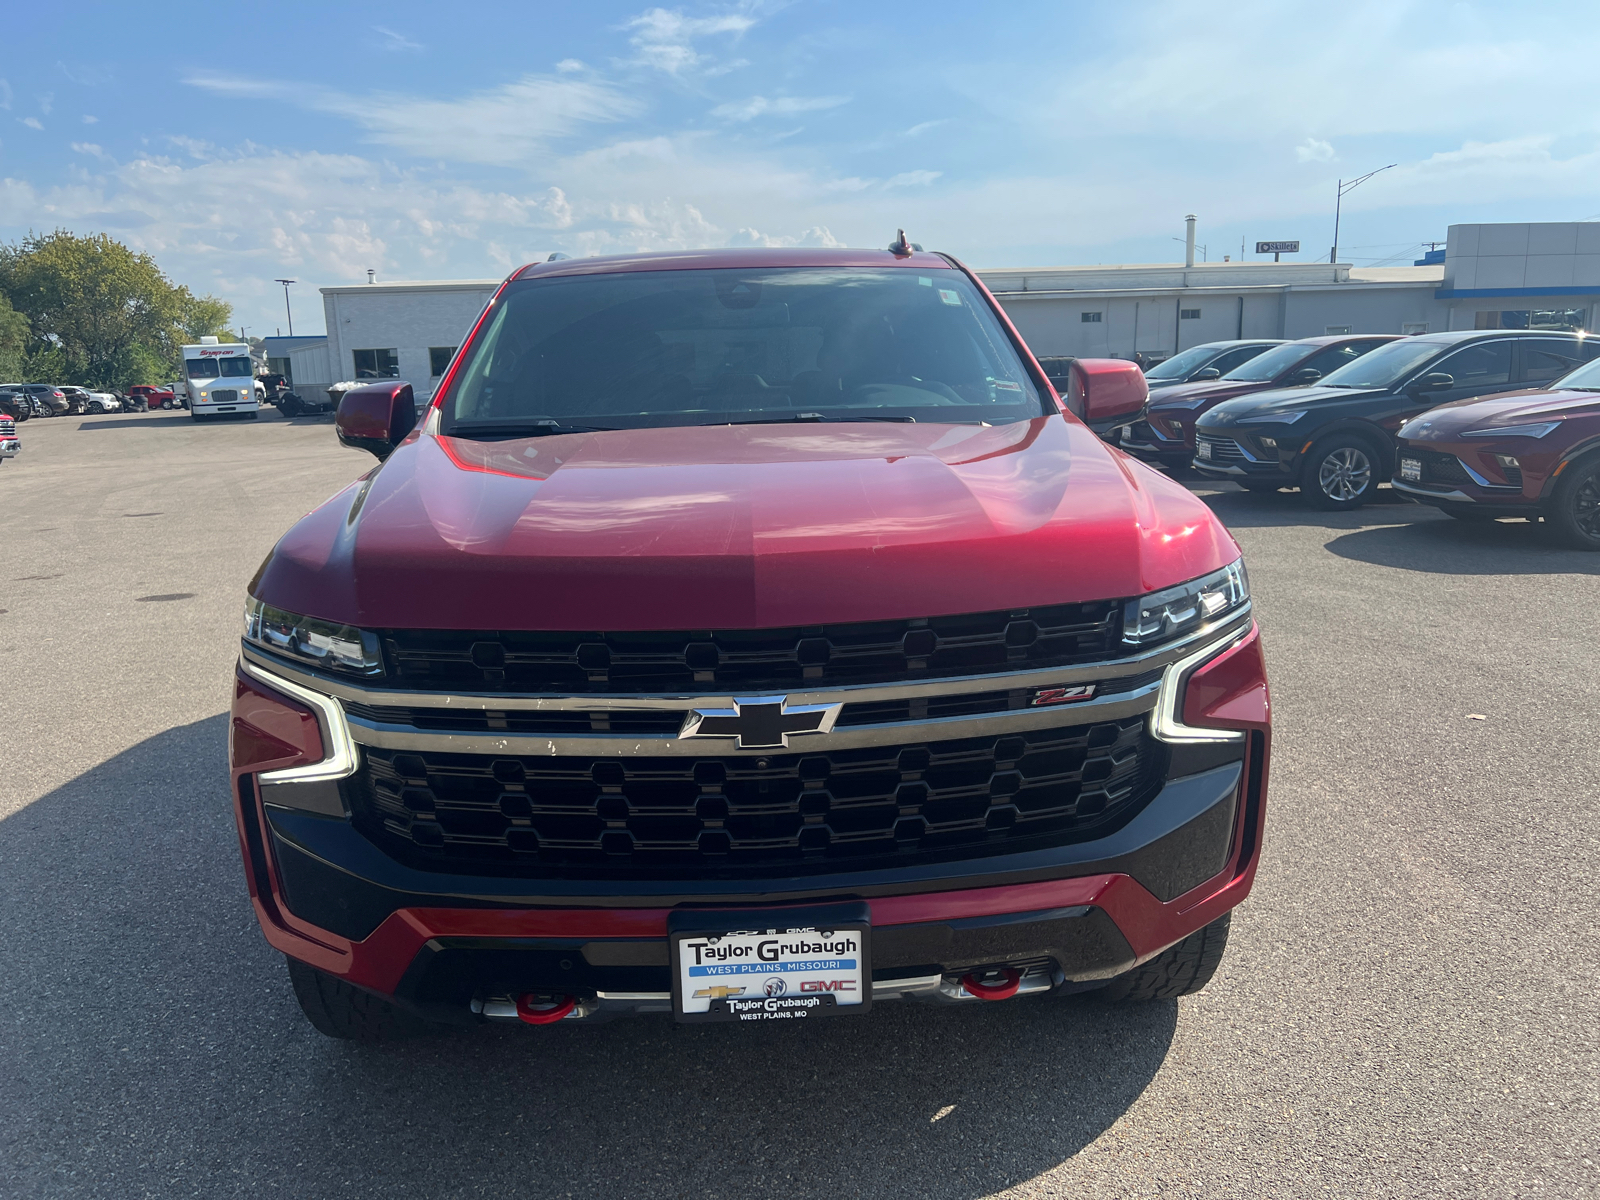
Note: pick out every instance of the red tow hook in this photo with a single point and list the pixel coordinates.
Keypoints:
(994, 991)
(538, 1010)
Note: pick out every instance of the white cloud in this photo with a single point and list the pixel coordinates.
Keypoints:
(46, 101)
(395, 42)
(817, 235)
(30, 122)
(913, 179)
(88, 120)
(1313, 150)
(568, 65)
(665, 38)
(922, 127)
(781, 106)
(505, 126)
(5, 95)
(88, 148)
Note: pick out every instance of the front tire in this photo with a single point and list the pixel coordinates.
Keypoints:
(337, 1010)
(1179, 970)
(1340, 473)
(1574, 512)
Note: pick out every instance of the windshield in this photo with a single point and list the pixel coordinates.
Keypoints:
(1384, 366)
(210, 368)
(1586, 378)
(1179, 365)
(705, 347)
(1271, 364)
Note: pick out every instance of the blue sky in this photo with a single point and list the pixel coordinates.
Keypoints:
(430, 141)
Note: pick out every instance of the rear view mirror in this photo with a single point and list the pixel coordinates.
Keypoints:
(1307, 375)
(377, 417)
(1206, 373)
(1107, 393)
(1434, 381)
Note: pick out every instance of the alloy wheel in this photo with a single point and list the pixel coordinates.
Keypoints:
(1345, 474)
(1586, 506)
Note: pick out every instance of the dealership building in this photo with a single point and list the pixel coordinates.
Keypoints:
(1502, 276)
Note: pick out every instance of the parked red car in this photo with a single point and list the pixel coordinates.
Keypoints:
(10, 443)
(1167, 434)
(1531, 453)
(153, 397)
(746, 635)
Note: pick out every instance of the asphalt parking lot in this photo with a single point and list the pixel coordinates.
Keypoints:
(1407, 1007)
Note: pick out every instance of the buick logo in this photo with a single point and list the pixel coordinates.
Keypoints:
(776, 987)
(760, 722)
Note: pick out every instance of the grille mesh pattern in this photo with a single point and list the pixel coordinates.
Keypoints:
(751, 660)
(1438, 467)
(637, 815)
(1222, 449)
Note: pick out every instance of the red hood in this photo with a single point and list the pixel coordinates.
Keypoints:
(1213, 391)
(1507, 408)
(752, 526)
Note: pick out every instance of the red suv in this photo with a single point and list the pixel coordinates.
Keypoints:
(746, 635)
(152, 397)
(1167, 434)
(1532, 453)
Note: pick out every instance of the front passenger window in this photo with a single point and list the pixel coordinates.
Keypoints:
(1482, 367)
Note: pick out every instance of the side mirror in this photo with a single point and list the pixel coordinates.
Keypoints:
(1434, 381)
(1307, 375)
(376, 418)
(1205, 373)
(1108, 393)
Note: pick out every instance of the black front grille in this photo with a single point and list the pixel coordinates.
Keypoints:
(790, 811)
(1222, 449)
(733, 660)
(1438, 467)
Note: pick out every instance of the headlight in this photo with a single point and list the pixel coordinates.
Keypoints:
(319, 643)
(1166, 615)
(1288, 418)
(1537, 430)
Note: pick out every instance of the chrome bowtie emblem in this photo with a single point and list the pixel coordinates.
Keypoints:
(760, 722)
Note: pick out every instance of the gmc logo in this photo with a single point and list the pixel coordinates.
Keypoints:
(827, 985)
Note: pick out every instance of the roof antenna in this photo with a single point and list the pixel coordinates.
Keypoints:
(900, 246)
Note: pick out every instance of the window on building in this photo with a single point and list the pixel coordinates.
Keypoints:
(1411, 328)
(377, 364)
(1089, 318)
(1336, 329)
(439, 359)
(1532, 318)
(1189, 314)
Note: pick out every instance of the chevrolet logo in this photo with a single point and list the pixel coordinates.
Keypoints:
(718, 993)
(760, 722)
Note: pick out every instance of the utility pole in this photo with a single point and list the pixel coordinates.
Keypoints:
(286, 309)
(1333, 255)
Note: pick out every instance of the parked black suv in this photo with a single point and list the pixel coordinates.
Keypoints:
(1211, 360)
(1335, 440)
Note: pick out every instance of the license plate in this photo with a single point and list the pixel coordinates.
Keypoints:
(1203, 449)
(1411, 468)
(789, 965)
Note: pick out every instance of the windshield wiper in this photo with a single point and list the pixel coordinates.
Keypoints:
(812, 416)
(518, 429)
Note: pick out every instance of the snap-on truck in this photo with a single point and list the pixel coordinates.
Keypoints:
(746, 636)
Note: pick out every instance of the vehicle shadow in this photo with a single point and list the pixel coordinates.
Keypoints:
(140, 419)
(1449, 547)
(1240, 509)
(154, 1047)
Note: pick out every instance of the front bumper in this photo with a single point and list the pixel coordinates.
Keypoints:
(1144, 440)
(455, 947)
(10, 447)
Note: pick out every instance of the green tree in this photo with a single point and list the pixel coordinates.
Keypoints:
(13, 341)
(100, 314)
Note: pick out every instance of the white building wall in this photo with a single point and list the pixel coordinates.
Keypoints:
(408, 318)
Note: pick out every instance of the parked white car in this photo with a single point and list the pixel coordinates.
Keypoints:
(104, 402)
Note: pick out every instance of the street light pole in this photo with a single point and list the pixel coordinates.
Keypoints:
(286, 309)
(1333, 255)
